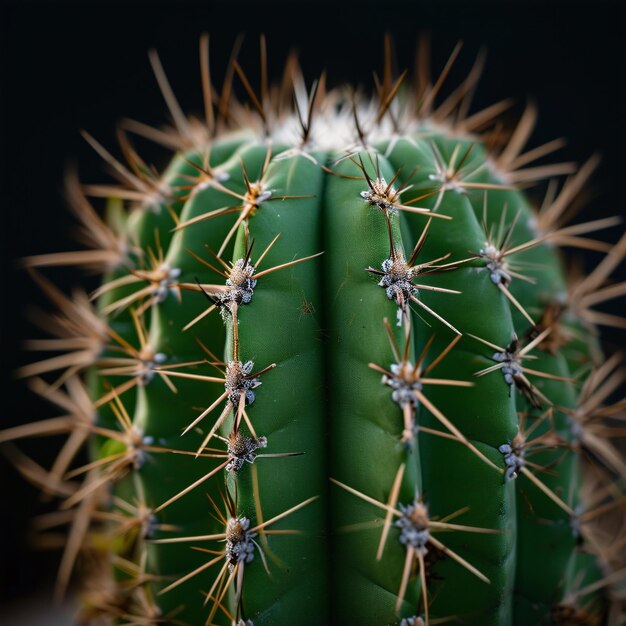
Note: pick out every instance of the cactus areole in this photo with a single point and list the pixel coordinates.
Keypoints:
(335, 372)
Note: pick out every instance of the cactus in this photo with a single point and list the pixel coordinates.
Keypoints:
(335, 371)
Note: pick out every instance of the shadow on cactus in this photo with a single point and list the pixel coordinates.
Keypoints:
(335, 371)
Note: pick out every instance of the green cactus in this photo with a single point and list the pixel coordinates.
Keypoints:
(393, 405)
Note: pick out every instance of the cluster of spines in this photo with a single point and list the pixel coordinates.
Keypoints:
(142, 365)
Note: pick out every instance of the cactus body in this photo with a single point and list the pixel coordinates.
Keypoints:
(391, 430)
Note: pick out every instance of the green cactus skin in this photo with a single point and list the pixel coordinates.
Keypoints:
(333, 460)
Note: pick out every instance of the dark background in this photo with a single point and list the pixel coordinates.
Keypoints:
(71, 66)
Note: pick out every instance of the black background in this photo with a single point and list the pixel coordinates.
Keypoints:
(71, 66)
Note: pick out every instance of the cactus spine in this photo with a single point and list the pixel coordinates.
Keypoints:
(396, 431)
